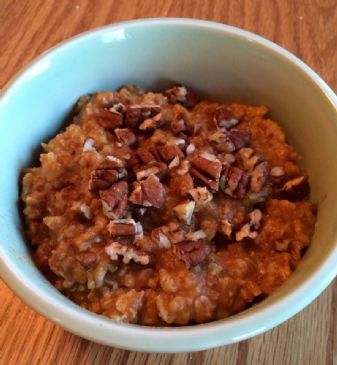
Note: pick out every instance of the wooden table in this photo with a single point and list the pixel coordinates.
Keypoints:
(306, 28)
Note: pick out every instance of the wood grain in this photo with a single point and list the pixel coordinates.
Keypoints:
(306, 28)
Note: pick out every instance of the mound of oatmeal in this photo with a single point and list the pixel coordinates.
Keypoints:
(159, 209)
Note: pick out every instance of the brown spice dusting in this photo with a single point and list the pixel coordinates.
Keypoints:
(159, 209)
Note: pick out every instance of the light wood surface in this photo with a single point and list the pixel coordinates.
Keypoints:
(306, 28)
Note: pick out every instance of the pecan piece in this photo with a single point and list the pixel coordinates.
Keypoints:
(137, 196)
(107, 172)
(101, 179)
(296, 189)
(179, 94)
(248, 230)
(277, 171)
(133, 116)
(169, 151)
(247, 158)
(122, 227)
(259, 177)
(226, 228)
(224, 118)
(230, 141)
(109, 120)
(125, 135)
(184, 211)
(145, 155)
(178, 123)
(154, 191)
(192, 253)
(200, 195)
(114, 200)
(196, 235)
(128, 252)
(159, 237)
(156, 168)
(87, 259)
(209, 164)
(153, 123)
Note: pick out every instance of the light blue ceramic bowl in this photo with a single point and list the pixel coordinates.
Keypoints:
(218, 61)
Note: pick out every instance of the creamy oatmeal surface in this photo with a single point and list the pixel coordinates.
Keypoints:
(159, 209)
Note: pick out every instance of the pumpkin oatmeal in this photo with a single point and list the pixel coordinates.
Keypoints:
(160, 209)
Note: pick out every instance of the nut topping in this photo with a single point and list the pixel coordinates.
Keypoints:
(179, 94)
(230, 141)
(122, 227)
(224, 118)
(151, 124)
(128, 252)
(109, 120)
(259, 177)
(114, 201)
(296, 188)
(192, 253)
(184, 211)
(125, 135)
(152, 168)
(154, 191)
(200, 195)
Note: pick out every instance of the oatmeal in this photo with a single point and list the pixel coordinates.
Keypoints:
(160, 209)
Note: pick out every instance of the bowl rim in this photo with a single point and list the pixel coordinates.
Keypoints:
(167, 339)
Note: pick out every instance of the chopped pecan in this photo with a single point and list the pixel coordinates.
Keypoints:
(122, 227)
(101, 179)
(109, 119)
(242, 187)
(296, 189)
(169, 151)
(248, 230)
(128, 252)
(226, 158)
(137, 196)
(200, 195)
(277, 171)
(214, 185)
(89, 145)
(245, 232)
(178, 123)
(224, 118)
(112, 162)
(183, 168)
(156, 168)
(209, 164)
(158, 236)
(86, 211)
(174, 163)
(125, 135)
(114, 200)
(230, 141)
(133, 116)
(181, 184)
(226, 228)
(107, 172)
(145, 155)
(196, 235)
(179, 94)
(247, 158)
(154, 191)
(153, 123)
(192, 253)
(259, 177)
(233, 179)
(87, 259)
(190, 149)
(184, 211)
